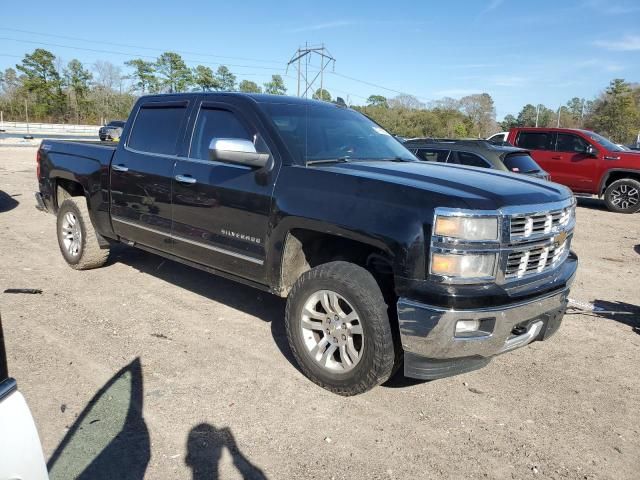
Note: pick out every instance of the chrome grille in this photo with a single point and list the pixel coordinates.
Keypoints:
(539, 224)
(537, 259)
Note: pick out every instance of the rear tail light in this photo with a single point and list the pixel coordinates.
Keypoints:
(38, 160)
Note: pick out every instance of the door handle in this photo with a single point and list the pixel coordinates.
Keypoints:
(186, 179)
(120, 168)
(559, 157)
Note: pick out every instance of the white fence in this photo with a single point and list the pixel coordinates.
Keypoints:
(21, 127)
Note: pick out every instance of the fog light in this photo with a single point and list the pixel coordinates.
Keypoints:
(467, 326)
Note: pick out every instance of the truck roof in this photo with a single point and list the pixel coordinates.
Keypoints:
(257, 97)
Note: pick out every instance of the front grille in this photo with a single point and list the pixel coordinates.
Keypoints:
(539, 224)
(537, 259)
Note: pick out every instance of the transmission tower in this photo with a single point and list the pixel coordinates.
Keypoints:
(301, 61)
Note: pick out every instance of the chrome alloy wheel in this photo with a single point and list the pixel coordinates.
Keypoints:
(625, 196)
(332, 331)
(71, 234)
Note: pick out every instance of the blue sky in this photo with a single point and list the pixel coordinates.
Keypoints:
(519, 52)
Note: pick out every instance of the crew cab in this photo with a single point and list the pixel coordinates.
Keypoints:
(586, 162)
(384, 260)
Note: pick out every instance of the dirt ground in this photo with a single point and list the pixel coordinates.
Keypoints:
(149, 368)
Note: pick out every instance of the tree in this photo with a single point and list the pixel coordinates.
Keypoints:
(173, 72)
(377, 101)
(527, 116)
(143, 74)
(203, 77)
(508, 123)
(41, 78)
(226, 81)
(108, 75)
(406, 101)
(10, 81)
(480, 110)
(275, 86)
(322, 94)
(615, 114)
(77, 78)
(248, 86)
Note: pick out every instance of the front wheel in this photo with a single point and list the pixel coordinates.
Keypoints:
(338, 328)
(623, 196)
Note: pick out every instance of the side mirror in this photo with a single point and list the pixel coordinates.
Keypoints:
(237, 150)
(590, 150)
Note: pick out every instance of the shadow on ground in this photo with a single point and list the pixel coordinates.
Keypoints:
(205, 445)
(622, 312)
(636, 249)
(110, 438)
(269, 308)
(7, 202)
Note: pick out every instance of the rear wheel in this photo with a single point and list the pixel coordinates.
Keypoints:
(623, 196)
(77, 238)
(338, 328)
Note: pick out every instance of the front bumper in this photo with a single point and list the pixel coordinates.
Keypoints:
(432, 349)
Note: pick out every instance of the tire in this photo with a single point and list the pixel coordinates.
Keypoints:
(623, 196)
(359, 300)
(77, 238)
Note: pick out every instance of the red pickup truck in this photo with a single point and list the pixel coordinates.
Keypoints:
(586, 162)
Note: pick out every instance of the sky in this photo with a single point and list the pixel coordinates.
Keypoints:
(519, 52)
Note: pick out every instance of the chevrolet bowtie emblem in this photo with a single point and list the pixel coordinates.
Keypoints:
(560, 238)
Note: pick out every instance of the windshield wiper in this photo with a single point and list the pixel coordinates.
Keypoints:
(328, 160)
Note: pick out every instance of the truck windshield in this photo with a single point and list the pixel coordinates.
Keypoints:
(314, 133)
(605, 142)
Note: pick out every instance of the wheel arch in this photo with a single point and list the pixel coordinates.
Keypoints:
(616, 174)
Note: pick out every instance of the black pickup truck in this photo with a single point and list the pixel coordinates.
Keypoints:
(384, 260)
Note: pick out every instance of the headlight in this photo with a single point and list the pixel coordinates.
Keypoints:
(468, 265)
(467, 228)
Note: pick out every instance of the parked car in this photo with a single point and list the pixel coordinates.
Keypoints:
(476, 153)
(111, 131)
(380, 256)
(586, 162)
(499, 137)
(20, 449)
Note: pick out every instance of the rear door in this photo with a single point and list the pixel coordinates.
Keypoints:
(574, 167)
(221, 210)
(141, 173)
(541, 147)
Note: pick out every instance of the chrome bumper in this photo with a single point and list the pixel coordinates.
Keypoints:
(428, 331)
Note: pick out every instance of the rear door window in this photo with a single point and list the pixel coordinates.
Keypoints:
(432, 155)
(568, 142)
(521, 163)
(535, 140)
(157, 127)
(469, 159)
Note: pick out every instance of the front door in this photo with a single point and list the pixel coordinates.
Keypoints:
(141, 174)
(574, 166)
(221, 210)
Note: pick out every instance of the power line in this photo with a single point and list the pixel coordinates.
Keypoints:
(129, 54)
(182, 52)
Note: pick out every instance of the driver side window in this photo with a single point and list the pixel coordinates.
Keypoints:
(215, 123)
(568, 142)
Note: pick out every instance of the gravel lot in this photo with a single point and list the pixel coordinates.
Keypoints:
(174, 373)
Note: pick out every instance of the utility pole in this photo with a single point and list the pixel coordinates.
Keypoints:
(537, 114)
(559, 112)
(306, 53)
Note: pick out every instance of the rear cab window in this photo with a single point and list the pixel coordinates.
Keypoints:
(157, 127)
(535, 140)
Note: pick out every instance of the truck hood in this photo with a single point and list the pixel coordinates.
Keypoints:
(481, 189)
